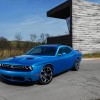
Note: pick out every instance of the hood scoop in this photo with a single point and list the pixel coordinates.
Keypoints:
(14, 57)
(29, 58)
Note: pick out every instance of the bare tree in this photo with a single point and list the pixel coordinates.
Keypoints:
(18, 38)
(33, 37)
(43, 37)
(46, 36)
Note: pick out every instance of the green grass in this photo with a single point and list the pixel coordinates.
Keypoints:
(94, 55)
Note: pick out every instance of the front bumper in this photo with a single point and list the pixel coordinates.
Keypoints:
(18, 76)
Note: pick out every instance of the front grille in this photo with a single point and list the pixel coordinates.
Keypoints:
(16, 78)
(6, 76)
(12, 67)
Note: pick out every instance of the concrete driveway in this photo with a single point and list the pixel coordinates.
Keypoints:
(81, 85)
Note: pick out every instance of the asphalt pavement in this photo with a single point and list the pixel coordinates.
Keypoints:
(72, 85)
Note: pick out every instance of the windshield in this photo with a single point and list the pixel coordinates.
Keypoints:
(43, 50)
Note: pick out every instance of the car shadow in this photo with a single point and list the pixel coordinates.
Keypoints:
(61, 73)
(24, 84)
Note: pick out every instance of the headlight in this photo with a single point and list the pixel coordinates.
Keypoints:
(14, 67)
(29, 68)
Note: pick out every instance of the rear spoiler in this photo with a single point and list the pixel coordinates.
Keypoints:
(78, 50)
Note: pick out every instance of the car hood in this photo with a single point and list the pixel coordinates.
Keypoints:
(27, 59)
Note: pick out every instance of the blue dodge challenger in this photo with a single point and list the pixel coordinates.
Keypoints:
(40, 64)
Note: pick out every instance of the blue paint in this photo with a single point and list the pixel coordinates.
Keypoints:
(59, 63)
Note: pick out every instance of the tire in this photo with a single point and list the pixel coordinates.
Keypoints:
(46, 75)
(76, 65)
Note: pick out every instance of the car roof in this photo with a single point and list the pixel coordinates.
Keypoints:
(54, 45)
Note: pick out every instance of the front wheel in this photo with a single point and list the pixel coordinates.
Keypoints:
(76, 65)
(46, 75)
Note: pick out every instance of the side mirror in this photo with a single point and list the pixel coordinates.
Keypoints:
(63, 53)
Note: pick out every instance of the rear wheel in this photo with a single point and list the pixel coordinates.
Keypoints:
(46, 75)
(76, 65)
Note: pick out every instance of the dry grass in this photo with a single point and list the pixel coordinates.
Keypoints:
(10, 53)
(94, 55)
(14, 52)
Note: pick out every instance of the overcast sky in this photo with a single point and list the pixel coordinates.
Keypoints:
(29, 16)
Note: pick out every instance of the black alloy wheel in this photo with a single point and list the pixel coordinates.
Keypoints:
(46, 75)
(76, 65)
